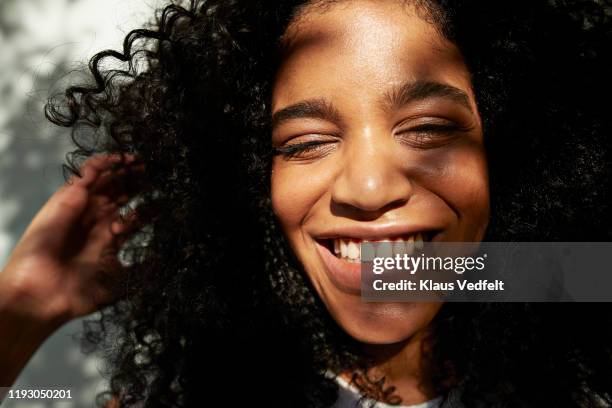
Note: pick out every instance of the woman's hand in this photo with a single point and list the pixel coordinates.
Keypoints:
(65, 265)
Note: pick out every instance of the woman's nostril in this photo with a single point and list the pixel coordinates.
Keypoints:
(364, 195)
(364, 212)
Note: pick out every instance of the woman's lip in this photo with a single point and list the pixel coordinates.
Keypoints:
(346, 276)
(376, 233)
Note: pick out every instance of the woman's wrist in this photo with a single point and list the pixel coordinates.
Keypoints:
(27, 297)
(23, 328)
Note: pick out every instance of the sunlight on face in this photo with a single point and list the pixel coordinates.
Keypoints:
(378, 137)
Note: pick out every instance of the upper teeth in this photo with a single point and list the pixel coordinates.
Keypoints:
(350, 249)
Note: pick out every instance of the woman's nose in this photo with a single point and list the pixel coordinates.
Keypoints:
(371, 181)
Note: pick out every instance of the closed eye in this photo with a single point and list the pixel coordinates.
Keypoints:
(312, 149)
(429, 135)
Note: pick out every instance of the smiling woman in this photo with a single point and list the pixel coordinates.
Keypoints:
(289, 135)
(379, 139)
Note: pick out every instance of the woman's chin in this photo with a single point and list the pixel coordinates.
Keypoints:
(386, 323)
(362, 335)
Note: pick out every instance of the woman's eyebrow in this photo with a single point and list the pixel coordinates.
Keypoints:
(311, 108)
(395, 99)
(418, 90)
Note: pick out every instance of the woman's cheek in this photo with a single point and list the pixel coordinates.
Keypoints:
(296, 191)
(465, 187)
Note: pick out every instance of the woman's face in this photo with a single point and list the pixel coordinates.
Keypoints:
(379, 138)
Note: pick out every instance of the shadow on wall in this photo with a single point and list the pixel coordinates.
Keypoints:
(31, 153)
(31, 149)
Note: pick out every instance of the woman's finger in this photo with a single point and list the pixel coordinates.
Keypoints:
(90, 169)
(125, 224)
(114, 182)
(109, 234)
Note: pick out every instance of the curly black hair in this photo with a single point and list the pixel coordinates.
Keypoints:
(220, 310)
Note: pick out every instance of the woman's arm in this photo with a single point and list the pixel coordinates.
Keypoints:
(65, 264)
(21, 332)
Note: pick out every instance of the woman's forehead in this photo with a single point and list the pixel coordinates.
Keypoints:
(363, 48)
(348, 24)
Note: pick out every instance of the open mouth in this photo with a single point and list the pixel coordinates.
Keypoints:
(342, 255)
(349, 249)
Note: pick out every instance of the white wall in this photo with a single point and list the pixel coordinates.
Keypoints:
(41, 41)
